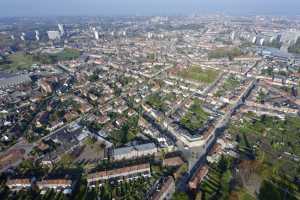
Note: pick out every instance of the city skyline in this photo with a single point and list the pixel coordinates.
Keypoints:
(19, 8)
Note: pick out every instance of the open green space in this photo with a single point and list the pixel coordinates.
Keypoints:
(68, 54)
(17, 61)
(194, 118)
(198, 74)
(65, 55)
(23, 61)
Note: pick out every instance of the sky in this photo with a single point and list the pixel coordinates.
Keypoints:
(10, 8)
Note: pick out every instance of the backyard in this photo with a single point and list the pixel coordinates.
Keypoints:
(229, 84)
(195, 118)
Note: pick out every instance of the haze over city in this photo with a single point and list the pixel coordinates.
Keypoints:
(146, 7)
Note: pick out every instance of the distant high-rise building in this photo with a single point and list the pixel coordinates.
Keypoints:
(53, 35)
(261, 41)
(254, 39)
(96, 34)
(232, 36)
(61, 29)
(23, 36)
(289, 37)
(149, 35)
(37, 35)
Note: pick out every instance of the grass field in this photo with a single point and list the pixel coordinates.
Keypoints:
(65, 55)
(68, 54)
(198, 74)
(18, 61)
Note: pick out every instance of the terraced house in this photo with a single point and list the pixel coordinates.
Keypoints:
(119, 174)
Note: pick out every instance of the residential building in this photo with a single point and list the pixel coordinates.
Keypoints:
(7, 81)
(198, 177)
(18, 184)
(64, 185)
(166, 191)
(53, 35)
(119, 174)
(173, 161)
(126, 153)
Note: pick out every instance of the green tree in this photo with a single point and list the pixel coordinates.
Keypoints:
(180, 196)
(223, 164)
(106, 192)
(268, 191)
(66, 160)
(124, 133)
(261, 96)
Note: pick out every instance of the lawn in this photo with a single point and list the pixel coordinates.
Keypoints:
(68, 54)
(18, 61)
(65, 55)
(198, 74)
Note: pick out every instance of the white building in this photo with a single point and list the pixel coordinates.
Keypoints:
(18, 184)
(134, 151)
(61, 29)
(53, 35)
(96, 34)
(37, 35)
(23, 36)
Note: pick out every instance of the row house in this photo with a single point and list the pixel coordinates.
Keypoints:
(119, 174)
